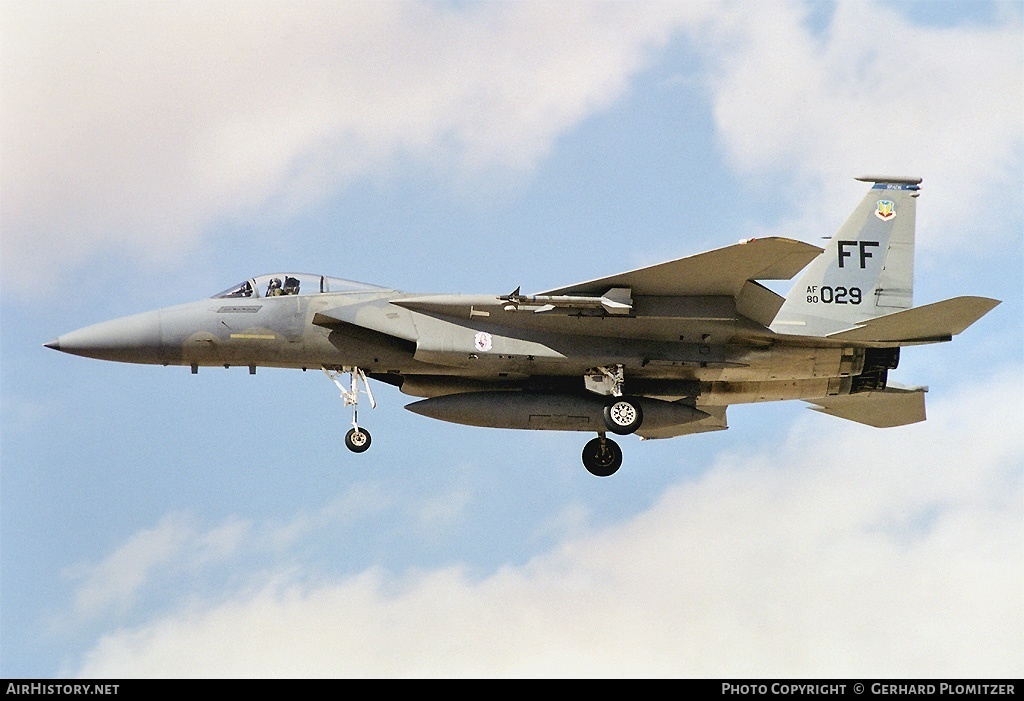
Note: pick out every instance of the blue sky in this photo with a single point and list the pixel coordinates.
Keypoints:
(156, 523)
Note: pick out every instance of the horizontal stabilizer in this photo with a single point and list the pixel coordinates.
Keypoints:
(723, 271)
(932, 322)
(893, 406)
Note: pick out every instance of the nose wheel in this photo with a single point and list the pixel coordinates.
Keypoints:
(602, 456)
(357, 439)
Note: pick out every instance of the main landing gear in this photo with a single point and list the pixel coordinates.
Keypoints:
(622, 415)
(357, 439)
(602, 456)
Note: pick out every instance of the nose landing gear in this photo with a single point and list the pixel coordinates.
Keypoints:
(357, 439)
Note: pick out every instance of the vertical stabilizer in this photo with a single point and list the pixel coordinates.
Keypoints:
(865, 271)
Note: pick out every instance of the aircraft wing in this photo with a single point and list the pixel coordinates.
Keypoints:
(893, 406)
(723, 271)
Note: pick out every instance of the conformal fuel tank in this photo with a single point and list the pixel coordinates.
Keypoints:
(552, 412)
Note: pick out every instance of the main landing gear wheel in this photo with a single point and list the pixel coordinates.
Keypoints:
(623, 415)
(357, 439)
(602, 457)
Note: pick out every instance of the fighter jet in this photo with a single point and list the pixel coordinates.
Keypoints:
(659, 352)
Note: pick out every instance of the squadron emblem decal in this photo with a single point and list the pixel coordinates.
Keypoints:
(886, 210)
(482, 341)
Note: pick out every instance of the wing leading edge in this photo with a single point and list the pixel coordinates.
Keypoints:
(723, 271)
(939, 321)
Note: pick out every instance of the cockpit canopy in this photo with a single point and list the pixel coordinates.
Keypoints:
(278, 284)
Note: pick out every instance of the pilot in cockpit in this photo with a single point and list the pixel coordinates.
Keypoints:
(291, 285)
(274, 289)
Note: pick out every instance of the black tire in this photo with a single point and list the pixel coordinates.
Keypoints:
(357, 440)
(602, 457)
(623, 415)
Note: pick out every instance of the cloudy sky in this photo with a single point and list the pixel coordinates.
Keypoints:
(156, 523)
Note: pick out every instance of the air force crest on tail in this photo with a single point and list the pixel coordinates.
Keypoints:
(483, 341)
(886, 210)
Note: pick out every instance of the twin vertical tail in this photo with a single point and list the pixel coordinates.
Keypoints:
(867, 268)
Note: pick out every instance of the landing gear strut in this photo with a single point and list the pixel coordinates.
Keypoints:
(357, 439)
(602, 456)
(622, 415)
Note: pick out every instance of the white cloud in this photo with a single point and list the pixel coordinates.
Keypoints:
(114, 583)
(115, 586)
(872, 94)
(177, 547)
(841, 551)
(138, 125)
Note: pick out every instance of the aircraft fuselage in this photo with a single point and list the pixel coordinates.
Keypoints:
(289, 332)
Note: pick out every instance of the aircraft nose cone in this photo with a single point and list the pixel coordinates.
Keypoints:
(132, 339)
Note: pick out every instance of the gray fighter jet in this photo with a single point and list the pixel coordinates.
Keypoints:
(660, 352)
